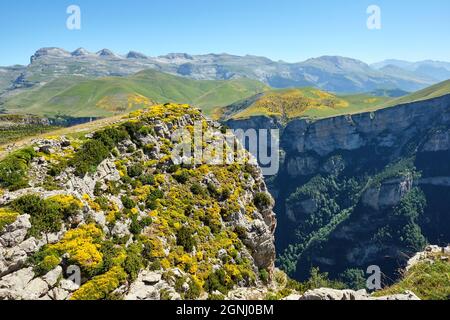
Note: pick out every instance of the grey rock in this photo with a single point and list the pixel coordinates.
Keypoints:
(53, 276)
(68, 285)
(35, 289)
(58, 294)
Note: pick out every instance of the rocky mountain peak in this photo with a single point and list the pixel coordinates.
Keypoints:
(80, 52)
(136, 55)
(106, 53)
(51, 52)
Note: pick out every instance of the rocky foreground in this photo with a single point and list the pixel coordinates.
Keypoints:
(112, 216)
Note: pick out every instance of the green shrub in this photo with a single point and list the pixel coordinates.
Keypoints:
(137, 226)
(98, 189)
(135, 170)
(134, 261)
(128, 203)
(87, 159)
(185, 239)
(198, 190)
(181, 176)
(151, 202)
(44, 261)
(46, 215)
(96, 150)
(14, 169)
(213, 191)
(217, 281)
(354, 279)
(147, 179)
(110, 137)
(264, 276)
(262, 200)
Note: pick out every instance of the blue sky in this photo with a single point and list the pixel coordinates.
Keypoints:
(290, 30)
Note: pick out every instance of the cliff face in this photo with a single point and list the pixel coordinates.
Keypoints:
(361, 190)
(111, 215)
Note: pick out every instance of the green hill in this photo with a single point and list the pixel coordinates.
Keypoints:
(311, 103)
(79, 97)
(438, 90)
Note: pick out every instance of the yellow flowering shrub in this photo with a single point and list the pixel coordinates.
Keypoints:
(101, 286)
(83, 246)
(7, 217)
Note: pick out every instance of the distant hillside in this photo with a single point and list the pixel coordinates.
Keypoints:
(438, 90)
(437, 70)
(288, 104)
(78, 97)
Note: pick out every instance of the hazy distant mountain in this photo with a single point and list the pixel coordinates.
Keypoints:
(435, 70)
(331, 73)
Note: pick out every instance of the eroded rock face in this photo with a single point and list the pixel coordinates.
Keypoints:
(389, 194)
(343, 180)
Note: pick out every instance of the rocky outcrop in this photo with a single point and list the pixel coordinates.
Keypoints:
(324, 294)
(189, 222)
(430, 254)
(389, 194)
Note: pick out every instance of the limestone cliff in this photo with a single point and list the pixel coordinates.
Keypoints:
(111, 215)
(361, 190)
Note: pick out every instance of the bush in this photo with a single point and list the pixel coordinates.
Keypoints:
(110, 137)
(194, 290)
(217, 281)
(354, 278)
(46, 215)
(147, 179)
(213, 191)
(135, 170)
(181, 176)
(264, 276)
(185, 239)
(128, 203)
(151, 202)
(87, 159)
(14, 169)
(134, 261)
(198, 190)
(7, 217)
(262, 200)
(94, 151)
(101, 286)
(137, 226)
(44, 260)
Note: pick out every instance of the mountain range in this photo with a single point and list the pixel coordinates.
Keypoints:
(331, 73)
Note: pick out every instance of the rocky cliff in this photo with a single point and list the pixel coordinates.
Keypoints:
(112, 215)
(361, 190)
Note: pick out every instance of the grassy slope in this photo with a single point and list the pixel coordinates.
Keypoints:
(435, 91)
(109, 96)
(429, 281)
(309, 103)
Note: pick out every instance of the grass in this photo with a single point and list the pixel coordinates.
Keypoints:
(429, 281)
(104, 97)
(303, 102)
(19, 132)
(434, 91)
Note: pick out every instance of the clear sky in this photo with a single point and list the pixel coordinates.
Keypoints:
(290, 30)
